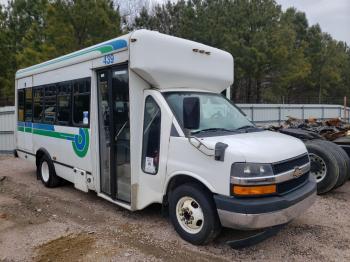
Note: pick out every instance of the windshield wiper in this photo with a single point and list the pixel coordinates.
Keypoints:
(214, 129)
(245, 127)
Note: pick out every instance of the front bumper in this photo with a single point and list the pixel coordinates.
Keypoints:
(255, 213)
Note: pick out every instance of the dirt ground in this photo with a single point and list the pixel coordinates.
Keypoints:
(64, 224)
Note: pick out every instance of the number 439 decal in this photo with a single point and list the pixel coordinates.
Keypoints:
(108, 59)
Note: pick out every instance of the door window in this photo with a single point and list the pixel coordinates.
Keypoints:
(38, 104)
(20, 104)
(64, 103)
(28, 105)
(50, 104)
(81, 104)
(121, 132)
(113, 89)
(151, 136)
(105, 145)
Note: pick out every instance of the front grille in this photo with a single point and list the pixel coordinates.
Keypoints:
(287, 186)
(290, 164)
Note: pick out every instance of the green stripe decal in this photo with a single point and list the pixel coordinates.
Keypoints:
(80, 142)
(102, 49)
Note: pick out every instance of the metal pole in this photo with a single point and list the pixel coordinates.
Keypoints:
(345, 109)
(302, 113)
(279, 115)
(322, 115)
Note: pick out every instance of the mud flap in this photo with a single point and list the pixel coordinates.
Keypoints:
(255, 239)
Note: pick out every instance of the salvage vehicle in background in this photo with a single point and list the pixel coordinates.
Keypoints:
(328, 145)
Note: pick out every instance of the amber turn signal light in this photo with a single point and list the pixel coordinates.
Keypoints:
(253, 190)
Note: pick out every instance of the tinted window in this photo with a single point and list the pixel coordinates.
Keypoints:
(38, 104)
(20, 103)
(151, 136)
(50, 104)
(28, 104)
(81, 102)
(64, 94)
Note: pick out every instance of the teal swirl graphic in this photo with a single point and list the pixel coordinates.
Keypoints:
(81, 142)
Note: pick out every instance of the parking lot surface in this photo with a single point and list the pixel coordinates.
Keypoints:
(64, 224)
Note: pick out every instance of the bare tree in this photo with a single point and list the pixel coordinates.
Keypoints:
(129, 9)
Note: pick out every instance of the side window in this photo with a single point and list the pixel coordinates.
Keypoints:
(81, 102)
(38, 104)
(28, 105)
(151, 136)
(20, 104)
(50, 104)
(64, 103)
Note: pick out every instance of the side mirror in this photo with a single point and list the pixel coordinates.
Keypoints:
(191, 112)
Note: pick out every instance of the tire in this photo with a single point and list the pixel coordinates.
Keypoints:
(343, 161)
(192, 197)
(47, 173)
(322, 157)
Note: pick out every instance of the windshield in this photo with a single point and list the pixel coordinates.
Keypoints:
(216, 112)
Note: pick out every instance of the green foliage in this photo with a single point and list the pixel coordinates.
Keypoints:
(33, 31)
(278, 56)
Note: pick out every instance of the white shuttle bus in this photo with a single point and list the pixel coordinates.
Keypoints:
(140, 119)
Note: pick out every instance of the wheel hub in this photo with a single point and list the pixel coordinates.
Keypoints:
(190, 215)
(45, 172)
(318, 167)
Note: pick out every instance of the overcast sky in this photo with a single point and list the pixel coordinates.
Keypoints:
(332, 15)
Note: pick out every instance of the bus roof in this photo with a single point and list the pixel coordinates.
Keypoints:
(82, 55)
(163, 61)
(168, 62)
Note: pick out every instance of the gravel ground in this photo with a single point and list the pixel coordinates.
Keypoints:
(64, 224)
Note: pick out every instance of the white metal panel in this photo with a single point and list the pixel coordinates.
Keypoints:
(7, 142)
(313, 112)
(7, 125)
(25, 82)
(64, 74)
(277, 113)
(169, 62)
(118, 57)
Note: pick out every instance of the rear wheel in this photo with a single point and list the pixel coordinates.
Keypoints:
(193, 213)
(342, 159)
(47, 172)
(324, 166)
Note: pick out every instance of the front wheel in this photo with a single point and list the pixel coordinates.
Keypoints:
(193, 214)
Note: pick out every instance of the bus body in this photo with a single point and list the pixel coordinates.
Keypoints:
(139, 119)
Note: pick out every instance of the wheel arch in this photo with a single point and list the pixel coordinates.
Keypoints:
(180, 178)
(39, 154)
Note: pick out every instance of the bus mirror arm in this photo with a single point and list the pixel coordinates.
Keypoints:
(200, 146)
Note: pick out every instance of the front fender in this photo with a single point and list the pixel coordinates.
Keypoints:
(189, 174)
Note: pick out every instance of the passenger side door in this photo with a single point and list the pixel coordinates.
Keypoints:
(157, 122)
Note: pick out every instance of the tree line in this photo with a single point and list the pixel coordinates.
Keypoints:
(278, 55)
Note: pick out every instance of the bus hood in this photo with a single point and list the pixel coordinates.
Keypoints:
(260, 147)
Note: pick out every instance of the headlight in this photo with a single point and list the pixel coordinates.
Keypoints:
(247, 172)
(251, 170)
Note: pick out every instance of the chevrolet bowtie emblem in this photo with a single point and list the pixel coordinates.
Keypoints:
(297, 172)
